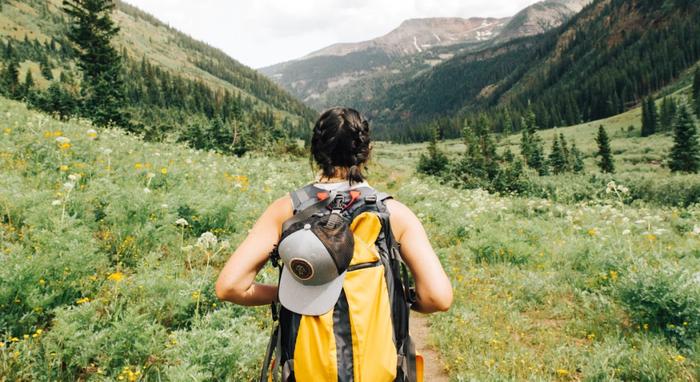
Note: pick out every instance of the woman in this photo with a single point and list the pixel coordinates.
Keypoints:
(340, 147)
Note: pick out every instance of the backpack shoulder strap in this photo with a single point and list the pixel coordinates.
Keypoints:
(303, 197)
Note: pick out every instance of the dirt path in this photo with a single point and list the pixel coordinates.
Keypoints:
(434, 372)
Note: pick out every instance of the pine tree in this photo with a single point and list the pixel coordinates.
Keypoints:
(557, 160)
(91, 31)
(436, 161)
(10, 79)
(685, 154)
(649, 117)
(28, 83)
(667, 114)
(606, 163)
(576, 159)
(565, 152)
(696, 91)
(531, 145)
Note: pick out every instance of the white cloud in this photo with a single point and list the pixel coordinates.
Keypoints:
(264, 32)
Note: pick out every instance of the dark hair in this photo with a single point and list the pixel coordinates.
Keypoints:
(341, 139)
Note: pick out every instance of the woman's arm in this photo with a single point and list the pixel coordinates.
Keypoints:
(236, 280)
(433, 288)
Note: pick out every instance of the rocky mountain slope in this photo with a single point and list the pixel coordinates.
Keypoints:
(340, 72)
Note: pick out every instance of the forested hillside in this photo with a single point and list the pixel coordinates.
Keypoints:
(176, 86)
(599, 64)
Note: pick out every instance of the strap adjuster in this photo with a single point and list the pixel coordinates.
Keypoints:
(371, 199)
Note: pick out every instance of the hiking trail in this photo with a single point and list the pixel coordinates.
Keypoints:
(434, 370)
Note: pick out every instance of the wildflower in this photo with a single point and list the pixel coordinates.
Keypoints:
(2, 344)
(116, 276)
(26, 336)
(679, 358)
(8, 131)
(63, 168)
(74, 177)
(106, 151)
(626, 232)
(150, 175)
(592, 232)
(562, 372)
(82, 300)
(591, 336)
(225, 244)
(207, 240)
(147, 190)
(613, 275)
(92, 134)
(42, 281)
(696, 231)
(56, 202)
(164, 171)
(14, 339)
(68, 186)
(651, 237)
(196, 295)
(181, 222)
(138, 165)
(39, 331)
(645, 326)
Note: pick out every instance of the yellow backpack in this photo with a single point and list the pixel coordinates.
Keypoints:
(365, 337)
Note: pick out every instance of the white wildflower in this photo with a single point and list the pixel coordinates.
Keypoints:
(74, 177)
(56, 203)
(207, 240)
(68, 186)
(181, 222)
(62, 140)
(92, 134)
(147, 190)
(626, 232)
(225, 244)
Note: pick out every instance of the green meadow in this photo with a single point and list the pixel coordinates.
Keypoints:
(110, 246)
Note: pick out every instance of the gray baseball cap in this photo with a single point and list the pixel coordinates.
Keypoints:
(315, 258)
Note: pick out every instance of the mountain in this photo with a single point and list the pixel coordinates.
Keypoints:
(340, 72)
(173, 79)
(598, 64)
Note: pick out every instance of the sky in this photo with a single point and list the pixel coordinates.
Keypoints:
(260, 33)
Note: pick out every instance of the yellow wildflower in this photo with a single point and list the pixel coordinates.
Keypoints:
(164, 171)
(591, 336)
(26, 336)
(651, 237)
(8, 131)
(14, 339)
(63, 168)
(613, 275)
(57, 133)
(39, 331)
(562, 372)
(679, 358)
(2, 344)
(592, 232)
(116, 276)
(138, 165)
(645, 326)
(64, 146)
(42, 281)
(82, 300)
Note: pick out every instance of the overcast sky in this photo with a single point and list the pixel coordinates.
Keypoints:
(264, 32)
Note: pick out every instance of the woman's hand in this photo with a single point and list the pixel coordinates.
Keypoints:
(236, 280)
(433, 288)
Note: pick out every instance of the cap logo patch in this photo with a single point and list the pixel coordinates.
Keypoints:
(302, 269)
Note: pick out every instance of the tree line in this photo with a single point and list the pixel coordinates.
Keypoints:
(154, 102)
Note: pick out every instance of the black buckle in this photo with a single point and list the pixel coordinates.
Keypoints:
(371, 199)
(275, 257)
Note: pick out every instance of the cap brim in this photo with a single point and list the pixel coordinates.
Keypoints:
(309, 300)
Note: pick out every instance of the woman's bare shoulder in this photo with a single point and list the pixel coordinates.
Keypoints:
(401, 217)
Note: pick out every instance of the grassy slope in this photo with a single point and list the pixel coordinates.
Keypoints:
(139, 36)
(113, 283)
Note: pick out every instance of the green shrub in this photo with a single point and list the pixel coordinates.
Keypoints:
(664, 300)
